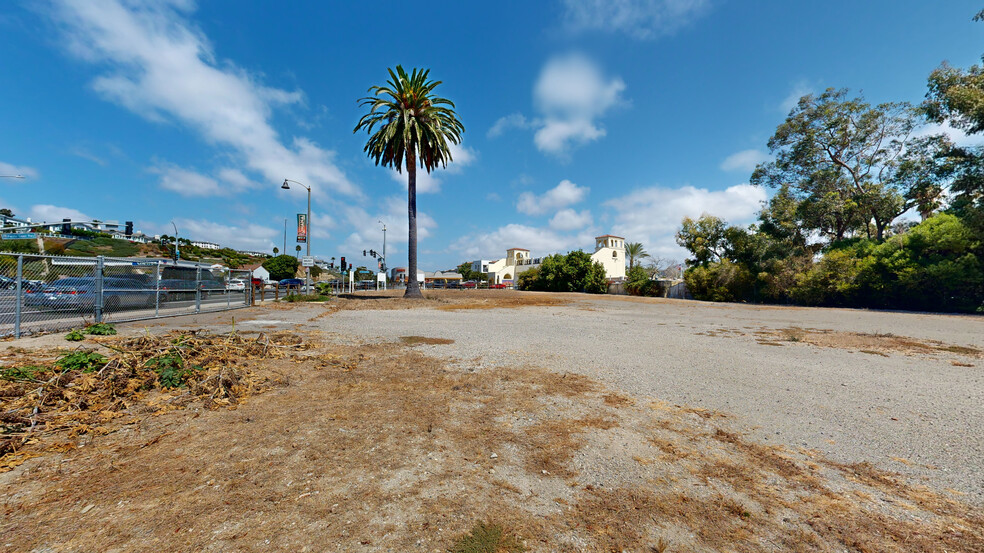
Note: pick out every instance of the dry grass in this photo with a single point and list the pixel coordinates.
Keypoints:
(881, 344)
(382, 448)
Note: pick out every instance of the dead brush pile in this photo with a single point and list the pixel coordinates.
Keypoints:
(81, 392)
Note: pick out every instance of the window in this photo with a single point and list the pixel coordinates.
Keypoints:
(614, 255)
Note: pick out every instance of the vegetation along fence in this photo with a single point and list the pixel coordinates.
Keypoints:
(43, 293)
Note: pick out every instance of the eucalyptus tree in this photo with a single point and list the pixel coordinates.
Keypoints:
(408, 124)
(841, 156)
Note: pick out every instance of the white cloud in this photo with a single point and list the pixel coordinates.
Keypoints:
(564, 194)
(745, 160)
(511, 121)
(84, 153)
(568, 219)
(641, 19)
(800, 89)
(572, 94)
(162, 68)
(248, 236)
(430, 183)
(53, 213)
(540, 242)
(14, 170)
(652, 215)
(188, 183)
(958, 137)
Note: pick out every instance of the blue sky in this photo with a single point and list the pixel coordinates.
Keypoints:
(582, 117)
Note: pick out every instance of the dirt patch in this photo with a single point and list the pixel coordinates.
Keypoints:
(424, 340)
(873, 344)
(445, 300)
(381, 448)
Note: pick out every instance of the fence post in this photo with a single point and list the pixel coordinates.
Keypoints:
(20, 295)
(97, 302)
(198, 290)
(157, 290)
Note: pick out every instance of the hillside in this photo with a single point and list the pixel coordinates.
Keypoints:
(111, 247)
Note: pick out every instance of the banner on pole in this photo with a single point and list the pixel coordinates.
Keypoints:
(302, 227)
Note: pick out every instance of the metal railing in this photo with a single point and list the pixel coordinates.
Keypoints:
(40, 293)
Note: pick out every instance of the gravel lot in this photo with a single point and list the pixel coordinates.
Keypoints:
(917, 414)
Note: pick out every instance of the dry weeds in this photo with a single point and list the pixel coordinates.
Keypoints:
(41, 396)
(382, 448)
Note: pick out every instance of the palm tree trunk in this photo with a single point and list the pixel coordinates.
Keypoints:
(413, 287)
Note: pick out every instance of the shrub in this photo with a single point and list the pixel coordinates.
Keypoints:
(281, 267)
(574, 272)
(722, 281)
(84, 361)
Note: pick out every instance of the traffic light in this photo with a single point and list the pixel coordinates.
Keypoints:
(66, 226)
(342, 266)
(363, 253)
(372, 253)
(128, 228)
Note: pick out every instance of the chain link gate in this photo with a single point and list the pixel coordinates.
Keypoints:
(40, 293)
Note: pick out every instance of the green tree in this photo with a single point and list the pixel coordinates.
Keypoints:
(6, 212)
(956, 97)
(704, 238)
(467, 273)
(276, 250)
(841, 156)
(414, 126)
(574, 272)
(281, 267)
(297, 249)
(635, 250)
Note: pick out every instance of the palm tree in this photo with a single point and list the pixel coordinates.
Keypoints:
(276, 250)
(414, 126)
(297, 248)
(635, 251)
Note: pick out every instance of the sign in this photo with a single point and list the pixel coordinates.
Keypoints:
(307, 261)
(19, 235)
(302, 227)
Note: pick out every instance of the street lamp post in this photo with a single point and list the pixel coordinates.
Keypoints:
(307, 239)
(176, 254)
(384, 245)
(11, 176)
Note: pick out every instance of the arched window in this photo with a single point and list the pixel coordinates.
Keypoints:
(614, 255)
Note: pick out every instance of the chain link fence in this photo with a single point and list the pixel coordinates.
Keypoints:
(41, 293)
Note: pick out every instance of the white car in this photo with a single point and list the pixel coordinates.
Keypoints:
(236, 284)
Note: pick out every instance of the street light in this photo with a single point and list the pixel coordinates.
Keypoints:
(307, 270)
(176, 254)
(11, 176)
(384, 245)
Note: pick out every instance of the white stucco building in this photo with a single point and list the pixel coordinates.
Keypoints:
(609, 251)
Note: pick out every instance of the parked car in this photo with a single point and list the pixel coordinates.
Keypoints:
(292, 282)
(469, 284)
(80, 293)
(236, 285)
(499, 286)
(175, 289)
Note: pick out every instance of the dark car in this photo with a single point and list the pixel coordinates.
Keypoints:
(176, 289)
(80, 293)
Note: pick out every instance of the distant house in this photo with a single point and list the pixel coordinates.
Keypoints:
(205, 245)
(609, 251)
(258, 271)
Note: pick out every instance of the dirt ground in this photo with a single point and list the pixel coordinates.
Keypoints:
(389, 446)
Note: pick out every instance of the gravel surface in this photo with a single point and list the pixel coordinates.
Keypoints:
(916, 414)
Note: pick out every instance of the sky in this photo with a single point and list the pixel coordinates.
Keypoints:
(582, 117)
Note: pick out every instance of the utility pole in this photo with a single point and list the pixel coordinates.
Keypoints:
(285, 237)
